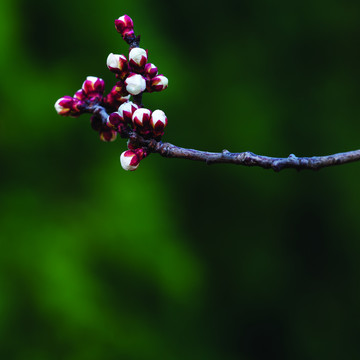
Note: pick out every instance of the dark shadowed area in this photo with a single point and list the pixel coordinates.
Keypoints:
(180, 260)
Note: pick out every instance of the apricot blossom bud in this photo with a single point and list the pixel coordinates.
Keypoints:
(158, 122)
(129, 160)
(68, 106)
(93, 86)
(108, 135)
(135, 84)
(137, 58)
(79, 95)
(114, 119)
(158, 83)
(150, 70)
(126, 110)
(125, 26)
(117, 64)
(141, 117)
(96, 123)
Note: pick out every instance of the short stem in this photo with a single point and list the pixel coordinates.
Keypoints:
(138, 100)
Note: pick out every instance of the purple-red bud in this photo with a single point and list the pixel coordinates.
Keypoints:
(68, 106)
(141, 118)
(108, 135)
(126, 111)
(129, 160)
(117, 64)
(93, 86)
(117, 96)
(158, 83)
(150, 70)
(79, 95)
(96, 123)
(114, 120)
(125, 26)
(158, 122)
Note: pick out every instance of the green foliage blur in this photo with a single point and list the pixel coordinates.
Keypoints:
(180, 260)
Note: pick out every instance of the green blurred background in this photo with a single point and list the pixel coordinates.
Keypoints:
(179, 260)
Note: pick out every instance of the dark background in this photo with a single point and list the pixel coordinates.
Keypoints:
(179, 260)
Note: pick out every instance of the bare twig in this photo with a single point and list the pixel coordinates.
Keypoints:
(246, 158)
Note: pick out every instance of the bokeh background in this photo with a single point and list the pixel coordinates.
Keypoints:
(180, 260)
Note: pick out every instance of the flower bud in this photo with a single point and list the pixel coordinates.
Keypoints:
(158, 83)
(126, 110)
(79, 95)
(114, 119)
(63, 105)
(108, 135)
(137, 59)
(141, 118)
(93, 86)
(129, 160)
(117, 96)
(117, 64)
(125, 26)
(158, 122)
(68, 106)
(150, 70)
(96, 123)
(118, 91)
(135, 84)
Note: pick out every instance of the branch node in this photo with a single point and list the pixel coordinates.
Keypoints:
(164, 150)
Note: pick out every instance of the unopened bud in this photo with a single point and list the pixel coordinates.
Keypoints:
(135, 84)
(126, 111)
(129, 160)
(108, 135)
(137, 59)
(114, 119)
(93, 86)
(117, 96)
(119, 90)
(117, 64)
(141, 118)
(68, 106)
(79, 95)
(150, 70)
(158, 83)
(125, 26)
(63, 105)
(158, 122)
(96, 123)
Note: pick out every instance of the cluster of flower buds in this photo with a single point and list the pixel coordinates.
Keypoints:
(135, 75)
(143, 121)
(91, 91)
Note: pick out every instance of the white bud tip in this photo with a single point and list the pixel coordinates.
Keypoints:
(135, 84)
(136, 54)
(159, 115)
(92, 78)
(58, 107)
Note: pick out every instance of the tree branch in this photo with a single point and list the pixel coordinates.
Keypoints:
(250, 159)
(246, 158)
